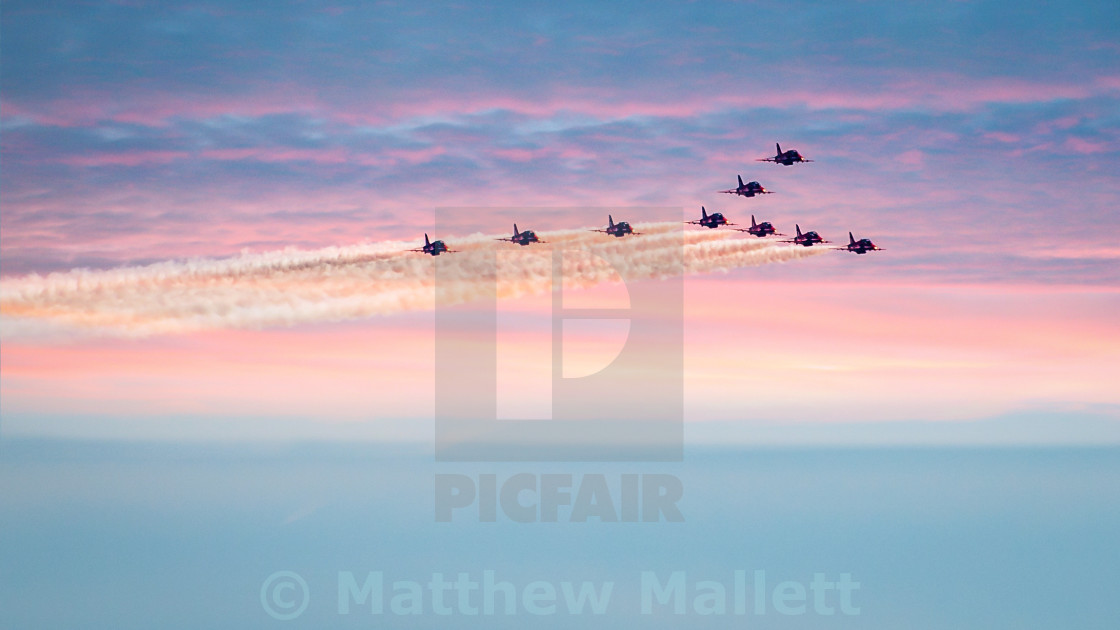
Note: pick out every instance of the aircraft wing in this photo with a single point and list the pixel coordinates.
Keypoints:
(730, 192)
(766, 160)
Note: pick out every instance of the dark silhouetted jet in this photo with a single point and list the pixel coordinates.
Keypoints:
(522, 238)
(862, 246)
(807, 239)
(748, 189)
(435, 248)
(712, 220)
(784, 157)
(619, 229)
(760, 229)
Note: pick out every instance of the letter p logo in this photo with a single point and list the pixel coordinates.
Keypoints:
(630, 410)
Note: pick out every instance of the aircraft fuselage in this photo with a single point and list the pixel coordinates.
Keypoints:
(808, 238)
(862, 246)
(526, 237)
(762, 229)
(713, 220)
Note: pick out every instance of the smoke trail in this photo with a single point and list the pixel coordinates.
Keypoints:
(287, 287)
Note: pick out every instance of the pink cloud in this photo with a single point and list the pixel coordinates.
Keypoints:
(325, 155)
(131, 105)
(231, 374)
(274, 154)
(898, 350)
(869, 91)
(755, 349)
(1087, 147)
(1000, 136)
(133, 158)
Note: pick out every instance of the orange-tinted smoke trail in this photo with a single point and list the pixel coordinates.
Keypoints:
(289, 287)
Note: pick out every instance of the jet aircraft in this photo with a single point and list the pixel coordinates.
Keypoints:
(748, 189)
(712, 220)
(784, 157)
(522, 238)
(807, 239)
(760, 229)
(435, 248)
(619, 229)
(862, 246)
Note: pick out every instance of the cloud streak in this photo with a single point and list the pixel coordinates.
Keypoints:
(290, 287)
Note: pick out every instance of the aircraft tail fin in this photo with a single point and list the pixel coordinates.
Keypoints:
(778, 147)
(740, 181)
(426, 241)
(798, 229)
(703, 212)
(753, 224)
(851, 239)
(610, 221)
(515, 232)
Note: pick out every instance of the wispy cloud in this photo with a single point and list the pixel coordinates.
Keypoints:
(290, 287)
(977, 142)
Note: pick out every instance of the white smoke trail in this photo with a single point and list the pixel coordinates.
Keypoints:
(287, 287)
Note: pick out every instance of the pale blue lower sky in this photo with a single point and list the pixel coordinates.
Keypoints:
(115, 535)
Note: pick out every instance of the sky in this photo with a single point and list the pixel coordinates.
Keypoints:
(976, 142)
(221, 367)
(118, 535)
